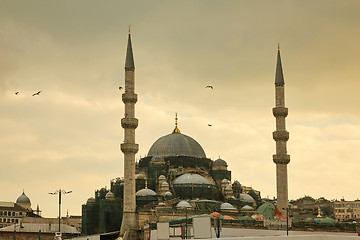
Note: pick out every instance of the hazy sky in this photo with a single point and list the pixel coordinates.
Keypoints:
(74, 52)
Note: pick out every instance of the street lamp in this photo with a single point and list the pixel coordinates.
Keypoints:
(21, 226)
(287, 220)
(60, 192)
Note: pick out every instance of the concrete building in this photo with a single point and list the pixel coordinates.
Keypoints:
(347, 210)
(281, 136)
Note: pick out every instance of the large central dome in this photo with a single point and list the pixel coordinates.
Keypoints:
(176, 144)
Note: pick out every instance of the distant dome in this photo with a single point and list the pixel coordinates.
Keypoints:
(168, 194)
(228, 188)
(145, 192)
(161, 204)
(227, 206)
(110, 195)
(23, 199)
(176, 144)
(225, 181)
(91, 200)
(157, 159)
(236, 183)
(246, 208)
(219, 162)
(191, 178)
(164, 184)
(246, 198)
(162, 177)
(183, 204)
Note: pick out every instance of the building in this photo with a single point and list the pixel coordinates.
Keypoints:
(347, 210)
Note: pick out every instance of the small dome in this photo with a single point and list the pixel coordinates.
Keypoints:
(110, 195)
(162, 177)
(219, 162)
(161, 204)
(157, 159)
(191, 178)
(91, 200)
(140, 176)
(228, 188)
(183, 204)
(145, 192)
(164, 184)
(23, 199)
(246, 198)
(168, 194)
(246, 208)
(176, 144)
(225, 181)
(227, 206)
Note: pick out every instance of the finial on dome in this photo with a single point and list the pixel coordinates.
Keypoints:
(145, 183)
(129, 28)
(176, 130)
(278, 46)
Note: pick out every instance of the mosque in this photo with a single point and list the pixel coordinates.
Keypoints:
(175, 174)
(176, 178)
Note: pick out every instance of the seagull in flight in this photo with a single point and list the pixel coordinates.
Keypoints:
(38, 93)
(209, 125)
(16, 93)
(120, 87)
(209, 86)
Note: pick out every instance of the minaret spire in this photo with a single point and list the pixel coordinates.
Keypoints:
(129, 148)
(281, 136)
(176, 130)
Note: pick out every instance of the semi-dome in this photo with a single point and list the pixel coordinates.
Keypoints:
(164, 184)
(145, 192)
(225, 181)
(162, 177)
(246, 198)
(23, 199)
(183, 204)
(246, 208)
(220, 162)
(176, 144)
(191, 178)
(110, 196)
(168, 194)
(227, 206)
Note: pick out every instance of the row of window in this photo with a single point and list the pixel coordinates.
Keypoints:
(9, 220)
(351, 205)
(8, 213)
(347, 210)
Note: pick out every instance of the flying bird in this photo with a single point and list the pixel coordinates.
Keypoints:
(38, 93)
(209, 86)
(209, 125)
(120, 87)
(16, 93)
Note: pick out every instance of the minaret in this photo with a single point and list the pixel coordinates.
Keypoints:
(129, 148)
(281, 136)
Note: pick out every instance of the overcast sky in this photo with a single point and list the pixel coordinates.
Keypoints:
(68, 137)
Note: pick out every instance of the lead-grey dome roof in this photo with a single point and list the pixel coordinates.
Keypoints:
(191, 178)
(145, 192)
(220, 162)
(227, 206)
(176, 144)
(23, 199)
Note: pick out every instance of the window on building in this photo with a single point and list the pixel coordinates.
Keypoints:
(12, 220)
(1, 213)
(16, 220)
(9, 213)
(13, 213)
(20, 213)
(8, 220)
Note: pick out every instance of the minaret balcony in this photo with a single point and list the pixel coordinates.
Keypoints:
(280, 112)
(281, 158)
(129, 147)
(281, 135)
(129, 122)
(129, 97)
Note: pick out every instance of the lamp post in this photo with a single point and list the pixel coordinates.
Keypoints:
(287, 220)
(21, 226)
(60, 191)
